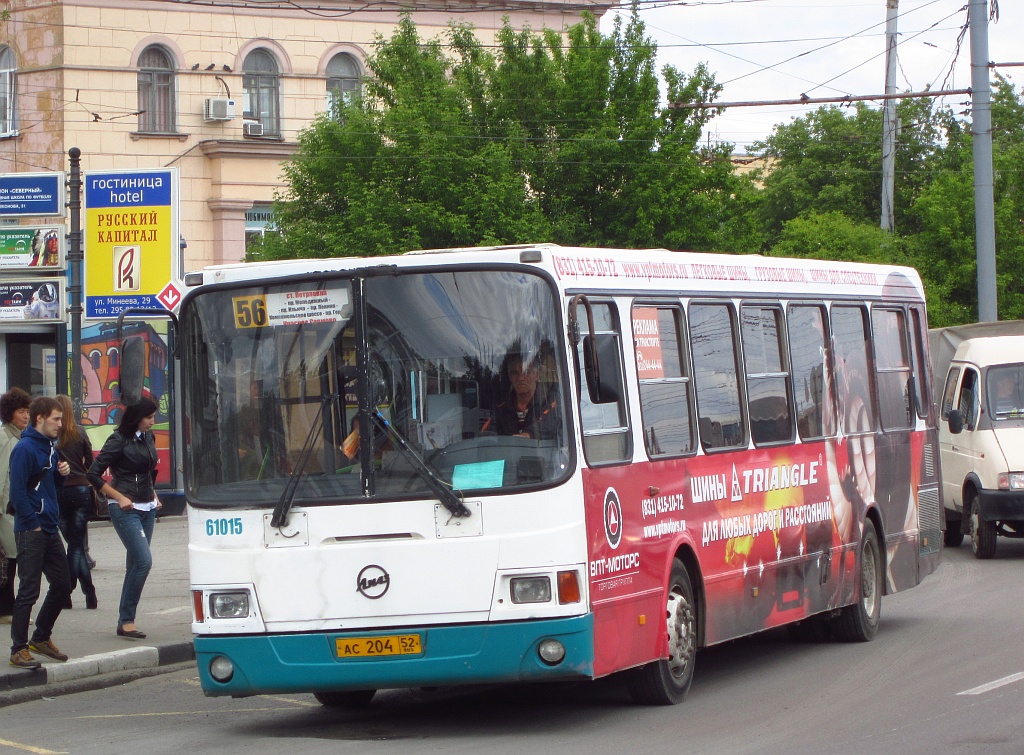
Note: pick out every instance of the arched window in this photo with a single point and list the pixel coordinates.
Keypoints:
(112, 356)
(156, 91)
(262, 92)
(8, 111)
(343, 79)
(96, 359)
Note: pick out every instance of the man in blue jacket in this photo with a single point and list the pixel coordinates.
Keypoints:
(37, 473)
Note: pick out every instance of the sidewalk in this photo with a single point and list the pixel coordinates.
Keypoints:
(88, 637)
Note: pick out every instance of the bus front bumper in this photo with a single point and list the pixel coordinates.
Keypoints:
(450, 655)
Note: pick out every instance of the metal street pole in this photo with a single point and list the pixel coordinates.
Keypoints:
(981, 129)
(889, 124)
(75, 258)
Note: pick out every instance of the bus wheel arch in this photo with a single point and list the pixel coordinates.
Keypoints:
(667, 680)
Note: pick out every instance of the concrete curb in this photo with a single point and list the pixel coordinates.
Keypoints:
(143, 657)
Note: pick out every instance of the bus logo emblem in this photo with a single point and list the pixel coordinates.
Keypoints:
(373, 581)
(612, 518)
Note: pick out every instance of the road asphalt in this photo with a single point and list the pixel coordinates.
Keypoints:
(97, 656)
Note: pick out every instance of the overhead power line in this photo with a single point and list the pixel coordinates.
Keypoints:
(805, 100)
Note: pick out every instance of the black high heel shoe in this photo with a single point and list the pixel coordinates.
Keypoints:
(133, 633)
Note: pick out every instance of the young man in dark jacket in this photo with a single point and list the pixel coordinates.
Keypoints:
(37, 473)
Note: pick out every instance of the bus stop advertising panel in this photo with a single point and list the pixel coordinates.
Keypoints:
(131, 239)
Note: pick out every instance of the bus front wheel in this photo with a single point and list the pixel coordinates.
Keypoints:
(666, 681)
(859, 622)
(359, 698)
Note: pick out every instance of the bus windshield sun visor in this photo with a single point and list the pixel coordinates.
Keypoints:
(446, 495)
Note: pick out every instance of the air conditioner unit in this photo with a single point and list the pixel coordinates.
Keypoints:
(252, 128)
(218, 109)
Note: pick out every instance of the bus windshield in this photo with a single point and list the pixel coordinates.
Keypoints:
(374, 377)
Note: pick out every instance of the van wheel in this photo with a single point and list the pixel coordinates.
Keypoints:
(666, 681)
(859, 622)
(359, 698)
(983, 534)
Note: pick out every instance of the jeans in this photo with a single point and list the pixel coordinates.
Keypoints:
(76, 504)
(39, 553)
(135, 528)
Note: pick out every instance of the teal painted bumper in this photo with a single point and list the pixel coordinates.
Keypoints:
(469, 654)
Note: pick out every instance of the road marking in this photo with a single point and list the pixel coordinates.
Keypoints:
(993, 685)
(178, 609)
(30, 748)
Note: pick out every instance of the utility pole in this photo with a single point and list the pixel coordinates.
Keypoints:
(981, 130)
(889, 124)
(75, 258)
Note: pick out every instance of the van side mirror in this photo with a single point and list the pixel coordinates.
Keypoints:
(956, 422)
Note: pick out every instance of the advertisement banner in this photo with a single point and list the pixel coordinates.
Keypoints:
(39, 299)
(32, 247)
(31, 194)
(131, 239)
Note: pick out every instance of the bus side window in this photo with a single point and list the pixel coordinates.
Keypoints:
(892, 369)
(922, 383)
(716, 376)
(767, 377)
(605, 426)
(849, 334)
(663, 373)
(812, 371)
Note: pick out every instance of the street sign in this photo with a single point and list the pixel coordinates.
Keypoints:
(31, 194)
(170, 297)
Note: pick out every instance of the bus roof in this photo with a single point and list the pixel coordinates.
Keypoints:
(629, 270)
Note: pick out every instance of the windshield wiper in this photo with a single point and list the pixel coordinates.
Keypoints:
(446, 495)
(284, 503)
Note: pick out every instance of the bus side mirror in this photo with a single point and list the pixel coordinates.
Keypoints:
(956, 422)
(133, 369)
(602, 368)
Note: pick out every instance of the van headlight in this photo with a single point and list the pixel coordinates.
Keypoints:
(1011, 480)
(229, 605)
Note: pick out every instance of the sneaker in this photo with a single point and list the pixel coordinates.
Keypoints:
(47, 648)
(24, 659)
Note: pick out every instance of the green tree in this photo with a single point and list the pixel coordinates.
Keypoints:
(549, 138)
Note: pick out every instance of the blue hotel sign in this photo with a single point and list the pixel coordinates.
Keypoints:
(31, 195)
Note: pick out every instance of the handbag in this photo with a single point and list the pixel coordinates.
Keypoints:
(101, 504)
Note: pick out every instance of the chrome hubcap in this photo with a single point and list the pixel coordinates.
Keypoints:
(680, 634)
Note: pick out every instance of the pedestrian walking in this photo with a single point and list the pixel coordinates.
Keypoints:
(37, 474)
(130, 455)
(14, 415)
(77, 500)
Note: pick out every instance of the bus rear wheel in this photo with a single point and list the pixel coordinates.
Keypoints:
(666, 681)
(359, 698)
(859, 622)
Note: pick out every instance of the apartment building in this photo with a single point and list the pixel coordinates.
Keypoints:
(218, 89)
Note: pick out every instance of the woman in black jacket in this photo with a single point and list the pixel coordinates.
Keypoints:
(130, 455)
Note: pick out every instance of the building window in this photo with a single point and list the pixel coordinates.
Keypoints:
(156, 91)
(8, 112)
(260, 77)
(343, 79)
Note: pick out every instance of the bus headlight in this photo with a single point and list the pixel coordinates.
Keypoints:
(222, 669)
(551, 652)
(229, 605)
(530, 590)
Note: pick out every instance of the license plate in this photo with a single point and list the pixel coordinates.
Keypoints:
(370, 647)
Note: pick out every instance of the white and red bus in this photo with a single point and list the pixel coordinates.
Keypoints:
(539, 463)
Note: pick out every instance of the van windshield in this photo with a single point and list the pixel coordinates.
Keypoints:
(1004, 387)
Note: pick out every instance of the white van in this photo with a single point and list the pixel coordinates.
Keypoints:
(981, 432)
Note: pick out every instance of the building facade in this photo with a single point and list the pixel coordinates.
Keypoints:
(218, 89)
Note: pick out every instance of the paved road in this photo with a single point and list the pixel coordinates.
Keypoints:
(944, 675)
